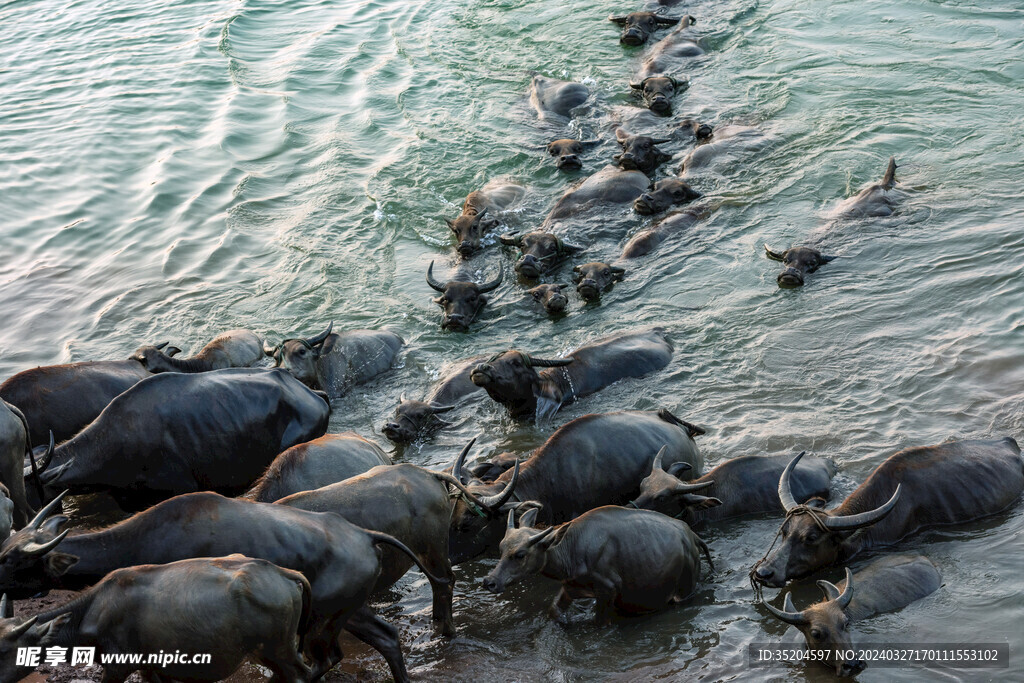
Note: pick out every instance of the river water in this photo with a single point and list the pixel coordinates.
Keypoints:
(170, 170)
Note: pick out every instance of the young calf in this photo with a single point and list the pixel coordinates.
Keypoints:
(631, 561)
(230, 608)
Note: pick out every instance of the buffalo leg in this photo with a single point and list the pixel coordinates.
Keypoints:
(562, 602)
(323, 649)
(439, 565)
(382, 637)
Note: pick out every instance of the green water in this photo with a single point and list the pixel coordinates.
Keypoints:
(172, 170)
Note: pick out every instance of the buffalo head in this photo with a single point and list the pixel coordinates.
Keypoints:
(798, 261)
(541, 251)
(825, 625)
(812, 538)
(17, 633)
(639, 152)
(299, 356)
(492, 468)
(566, 153)
(411, 417)
(550, 297)
(695, 129)
(667, 192)
(154, 357)
(593, 278)
(460, 301)
(511, 377)
(29, 562)
(468, 228)
(657, 92)
(523, 551)
(637, 27)
(663, 492)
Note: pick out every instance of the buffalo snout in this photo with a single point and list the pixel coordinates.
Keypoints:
(492, 584)
(529, 266)
(569, 162)
(633, 37)
(481, 375)
(790, 277)
(852, 668)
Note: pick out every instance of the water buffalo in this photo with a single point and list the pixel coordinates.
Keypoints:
(594, 278)
(886, 585)
(647, 240)
(478, 214)
(541, 252)
(688, 128)
(566, 152)
(874, 201)
(798, 261)
(460, 300)
(512, 379)
(551, 297)
(408, 502)
(340, 560)
(334, 362)
(232, 349)
(413, 417)
(639, 152)
(741, 486)
(247, 607)
(657, 92)
(666, 55)
(718, 144)
(951, 483)
(592, 461)
(552, 96)
(665, 194)
(177, 433)
(609, 186)
(320, 462)
(631, 561)
(6, 513)
(638, 27)
(14, 447)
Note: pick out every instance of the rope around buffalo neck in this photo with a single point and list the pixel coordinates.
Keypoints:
(473, 507)
(816, 515)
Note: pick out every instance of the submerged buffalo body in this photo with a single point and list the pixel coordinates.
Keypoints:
(245, 607)
(479, 214)
(177, 433)
(951, 483)
(718, 145)
(875, 201)
(609, 186)
(541, 252)
(232, 349)
(886, 585)
(631, 561)
(512, 379)
(647, 240)
(592, 461)
(320, 462)
(670, 52)
(411, 418)
(552, 96)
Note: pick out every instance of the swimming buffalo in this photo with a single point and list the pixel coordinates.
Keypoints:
(610, 186)
(953, 482)
(334, 362)
(552, 96)
(798, 262)
(232, 349)
(479, 214)
(666, 193)
(657, 92)
(551, 297)
(541, 252)
(722, 145)
(229, 608)
(460, 300)
(340, 560)
(631, 561)
(648, 239)
(566, 152)
(413, 417)
(886, 585)
(640, 152)
(320, 462)
(592, 461)
(874, 201)
(741, 486)
(512, 379)
(638, 27)
(669, 52)
(177, 433)
(594, 278)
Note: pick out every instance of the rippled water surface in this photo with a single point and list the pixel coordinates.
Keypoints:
(170, 170)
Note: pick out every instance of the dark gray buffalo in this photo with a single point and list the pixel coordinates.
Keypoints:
(610, 186)
(630, 561)
(335, 362)
(647, 240)
(248, 607)
(592, 461)
(479, 214)
(874, 201)
(412, 418)
(551, 297)
(665, 194)
(541, 252)
(668, 54)
(177, 433)
(340, 560)
(886, 585)
(512, 379)
(461, 301)
(14, 448)
(640, 152)
(797, 262)
(657, 92)
(566, 152)
(320, 462)
(552, 96)
(6, 513)
(638, 27)
(951, 483)
(741, 486)
(232, 349)
(594, 278)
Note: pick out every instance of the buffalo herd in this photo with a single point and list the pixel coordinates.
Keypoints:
(239, 505)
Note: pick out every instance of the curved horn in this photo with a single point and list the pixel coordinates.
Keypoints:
(461, 460)
(43, 464)
(864, 518)
(160, 345)
(566, 247)
(785, 491)
(549, 362)
(269, 350)
(511, 524)
(43, 548)
(790, 615)
(6, 608)
(493, 284)
(693, 488)
(637, 86)
(322, 337)
(511, 239)
(541, 536)
(847, 595)
(434, 284)
(494, 503)
(441, 409)
(619, 19)
(660, 141)
(18, 630)
(828, 589)
(172, 351)
(401, 398)
(774, 255)
(656, 464)
(667, 21)
(826, 259)
(41, 516)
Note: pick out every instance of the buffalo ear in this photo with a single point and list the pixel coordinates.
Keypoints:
(529, 518)
(621, 135)
(172, 351)
(576, 274)
(511, 239)
(677, 468)
(826, 259)
(815, 502)
(679, 84)
(451, 224)
(590, 143)
(636, 86)
(57, 564)
(46, 634)
(774, 255)
(437, 300)
(618, 20)
(53, 524)
(666, 21)
(619, 273)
